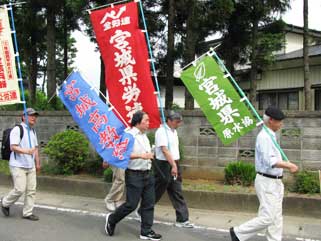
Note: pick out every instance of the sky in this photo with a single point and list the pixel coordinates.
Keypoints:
(87, 60)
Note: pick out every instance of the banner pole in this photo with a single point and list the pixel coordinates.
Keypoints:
(19, 69)
(244, 97)
(151, 60)
(320, 180)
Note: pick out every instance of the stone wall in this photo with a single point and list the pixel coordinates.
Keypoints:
(48, 124)
(204, 155)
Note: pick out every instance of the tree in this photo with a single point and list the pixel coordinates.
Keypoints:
(202, 18)
(307, 82)
(30, 29)
(170, 56)
(253, 22)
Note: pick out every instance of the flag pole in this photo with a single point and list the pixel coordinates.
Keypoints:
(212, 53)
(10, 8)
(152, 60)
(244, 98)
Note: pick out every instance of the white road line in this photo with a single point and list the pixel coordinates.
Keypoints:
(100, 214)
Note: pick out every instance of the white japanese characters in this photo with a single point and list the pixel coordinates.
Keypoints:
(221, 103)
(123, 58)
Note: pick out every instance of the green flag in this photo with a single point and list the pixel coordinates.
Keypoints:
(218, 99)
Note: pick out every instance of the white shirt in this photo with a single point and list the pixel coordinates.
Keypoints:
(141, 145)
(168, 137)
(267, 154)
(22, 160)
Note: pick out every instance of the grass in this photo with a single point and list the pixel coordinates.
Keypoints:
(4, 167)
(217, 186)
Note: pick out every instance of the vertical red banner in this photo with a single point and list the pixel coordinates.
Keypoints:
(123, 48)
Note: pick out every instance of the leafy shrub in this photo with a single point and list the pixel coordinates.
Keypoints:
(151, 138)
(4, 167)
(50, 169)
(108, 175)
(240, 173)
(93, 166)
(306, 182)
(68, 150)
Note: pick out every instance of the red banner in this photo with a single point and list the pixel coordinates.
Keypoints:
(123, 48)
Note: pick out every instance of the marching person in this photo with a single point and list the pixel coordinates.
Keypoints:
(139, 182)
(24, 163)
(167, 170)
(116, 193)
(268, 183)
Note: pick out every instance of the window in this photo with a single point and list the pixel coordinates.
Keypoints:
(317, 99)
(285, 100)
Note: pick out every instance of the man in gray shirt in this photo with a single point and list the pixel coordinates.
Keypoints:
(24, 162)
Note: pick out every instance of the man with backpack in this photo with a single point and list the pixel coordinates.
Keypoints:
(24, 163)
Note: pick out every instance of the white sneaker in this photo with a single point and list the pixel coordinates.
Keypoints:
(111, 206)
(185, 224)
(138, 217)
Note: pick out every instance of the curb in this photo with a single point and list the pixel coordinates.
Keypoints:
(293, 205)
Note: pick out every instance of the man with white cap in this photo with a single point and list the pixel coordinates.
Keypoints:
(24, 163)
(268, 183)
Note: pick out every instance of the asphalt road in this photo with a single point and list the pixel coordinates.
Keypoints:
(57, 225)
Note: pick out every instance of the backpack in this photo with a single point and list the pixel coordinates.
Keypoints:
(5, 145)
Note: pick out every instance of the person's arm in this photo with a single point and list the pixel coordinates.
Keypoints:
(20, 150)
(146, 155)
(37, 158)
(288, 165)
(170, 160)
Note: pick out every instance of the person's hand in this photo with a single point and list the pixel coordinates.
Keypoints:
(293, 168)
(147, 155)
(31, 151)
(105, 165)
(174, 171)
(38, 168)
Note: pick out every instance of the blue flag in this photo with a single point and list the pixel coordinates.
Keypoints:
(102, 127)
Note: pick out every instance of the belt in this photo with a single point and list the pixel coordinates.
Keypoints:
(138, 171)
(269, 176)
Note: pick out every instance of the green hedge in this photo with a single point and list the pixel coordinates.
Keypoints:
(108, 175)
(240, 173)
(68, 152)
(306, 182)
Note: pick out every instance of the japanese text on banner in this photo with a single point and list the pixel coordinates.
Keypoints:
(9, 87)
(102, 127)
(218, 99)
(124, 51)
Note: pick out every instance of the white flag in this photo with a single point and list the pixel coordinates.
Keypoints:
(9, 87)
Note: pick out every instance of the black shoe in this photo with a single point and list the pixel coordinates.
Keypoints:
(233, 235)
(31, 217)
(5, 210)
(109, 228)
(151, 236)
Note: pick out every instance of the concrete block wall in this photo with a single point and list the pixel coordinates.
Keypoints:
(300, 138)
(204, 154)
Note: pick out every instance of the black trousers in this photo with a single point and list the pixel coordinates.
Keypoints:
(139, 186)
(164, 181)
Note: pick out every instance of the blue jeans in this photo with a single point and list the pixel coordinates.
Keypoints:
(139, 186)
